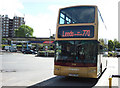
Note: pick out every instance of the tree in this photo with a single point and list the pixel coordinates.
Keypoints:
(116, 44)
(110, 45)
(102, 42)
(24, 31)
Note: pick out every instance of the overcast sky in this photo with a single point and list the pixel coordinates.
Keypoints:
(41, 15)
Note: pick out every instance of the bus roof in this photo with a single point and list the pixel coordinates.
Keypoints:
(79, 6)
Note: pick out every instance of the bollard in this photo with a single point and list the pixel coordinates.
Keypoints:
(110, 79)
(110, 82)
(118, 76)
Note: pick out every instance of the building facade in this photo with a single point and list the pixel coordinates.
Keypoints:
(0, 32)
(9, 25)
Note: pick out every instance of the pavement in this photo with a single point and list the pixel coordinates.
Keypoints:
(19, 69)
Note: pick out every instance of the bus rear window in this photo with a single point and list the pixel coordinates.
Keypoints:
(74, 15)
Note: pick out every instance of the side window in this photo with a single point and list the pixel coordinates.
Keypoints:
(61, 21)
(62, 17)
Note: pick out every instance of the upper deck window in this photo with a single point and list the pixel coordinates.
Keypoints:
(74, 15)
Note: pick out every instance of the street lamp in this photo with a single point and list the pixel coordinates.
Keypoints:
(0, 32)
(50, 35)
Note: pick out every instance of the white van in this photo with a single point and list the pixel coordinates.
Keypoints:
(6, 48)
(118, 52)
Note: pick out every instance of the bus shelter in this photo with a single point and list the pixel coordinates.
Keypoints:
(28, 42)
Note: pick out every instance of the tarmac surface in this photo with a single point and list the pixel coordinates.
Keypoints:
(29, 71)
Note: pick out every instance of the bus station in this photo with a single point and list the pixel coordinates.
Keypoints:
(79, 54)
(30, 43)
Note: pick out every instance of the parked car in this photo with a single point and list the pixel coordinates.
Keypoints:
(22, 50)
(118, 52)
(105, 54)
(12, 49)
(28, 52)
(34, 52)
(6, 48)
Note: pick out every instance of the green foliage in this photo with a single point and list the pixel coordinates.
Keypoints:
(113, 44)
(43, 53)
(116, 44)
(24, 31)
(104, 44)
(110, 45)
(4, 39)
(112, 54)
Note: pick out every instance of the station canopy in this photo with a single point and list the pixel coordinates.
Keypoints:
(31, 40)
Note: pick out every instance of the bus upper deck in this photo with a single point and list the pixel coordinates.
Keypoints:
(79, 22)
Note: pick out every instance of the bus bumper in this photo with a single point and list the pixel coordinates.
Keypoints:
(88, 72)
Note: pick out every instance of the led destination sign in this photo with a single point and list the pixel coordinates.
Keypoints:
(76, 32)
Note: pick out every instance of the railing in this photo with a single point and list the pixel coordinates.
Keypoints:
(110, 79)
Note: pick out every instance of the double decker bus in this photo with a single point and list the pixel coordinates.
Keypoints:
(80, 42)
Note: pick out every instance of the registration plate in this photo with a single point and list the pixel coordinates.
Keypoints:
(75, 75)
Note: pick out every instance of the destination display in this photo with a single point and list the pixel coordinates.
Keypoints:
(76, 32)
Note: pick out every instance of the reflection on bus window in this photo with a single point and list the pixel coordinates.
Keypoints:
(77, 51)
(77, 15)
